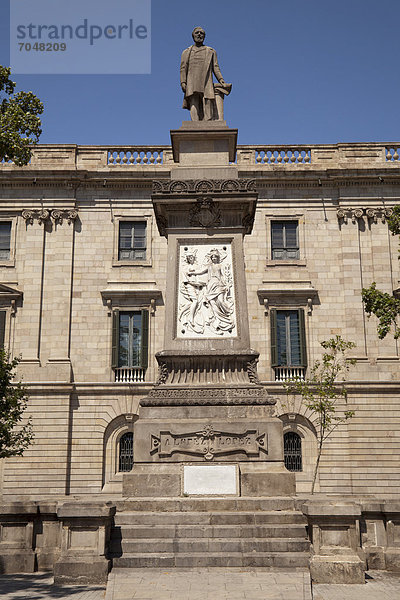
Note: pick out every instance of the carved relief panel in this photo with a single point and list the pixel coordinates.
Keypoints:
(206, 292)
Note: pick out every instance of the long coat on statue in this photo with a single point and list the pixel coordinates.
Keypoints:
(203, 82)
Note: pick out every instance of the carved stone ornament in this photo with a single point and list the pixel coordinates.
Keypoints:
(252, 371)
(203, 186)
(168, 396)
(43, 215)
(372, 213)
(162, 373)
(205, 213)
(209, 443)
(28, 216)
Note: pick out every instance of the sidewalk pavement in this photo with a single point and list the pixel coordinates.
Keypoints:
(204, 584)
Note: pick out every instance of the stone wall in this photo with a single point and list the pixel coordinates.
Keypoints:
(70, 279)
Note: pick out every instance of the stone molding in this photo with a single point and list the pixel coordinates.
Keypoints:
(203, 186)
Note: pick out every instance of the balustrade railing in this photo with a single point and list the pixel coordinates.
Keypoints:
(264, 156)
(135, 156)
(392, 153)
(70, 156)
(287, 373)
(129, 374)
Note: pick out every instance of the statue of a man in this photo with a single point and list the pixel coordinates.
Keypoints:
(203, 98)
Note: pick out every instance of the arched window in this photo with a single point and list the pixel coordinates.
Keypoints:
(125, 456)
(292, 451)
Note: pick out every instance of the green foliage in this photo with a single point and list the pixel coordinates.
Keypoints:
(381, 304)
(20, 125)
(14, 438)
(324, 389)
(385, 307)
(394, 221)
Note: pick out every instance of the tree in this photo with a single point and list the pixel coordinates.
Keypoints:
(322, 391)
(14, 438)
(383, 305)
(20, 125)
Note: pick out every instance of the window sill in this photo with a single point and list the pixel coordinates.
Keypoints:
(285, 262)
(7, 263)
(132, 263)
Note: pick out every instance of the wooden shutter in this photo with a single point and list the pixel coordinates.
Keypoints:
(274, 339)
(145, 339)
(2, 327)
(302, 332)
(115, 339)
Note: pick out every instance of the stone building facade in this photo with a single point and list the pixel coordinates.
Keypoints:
(82, 298)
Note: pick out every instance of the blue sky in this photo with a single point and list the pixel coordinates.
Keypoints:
(316, 71)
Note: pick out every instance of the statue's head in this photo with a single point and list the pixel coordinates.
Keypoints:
(198, 35)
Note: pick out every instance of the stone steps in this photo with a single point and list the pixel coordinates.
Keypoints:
(193, 545)
(209, 532)
(281, 560)
(295, 530)
(214, 504)
(205, 518)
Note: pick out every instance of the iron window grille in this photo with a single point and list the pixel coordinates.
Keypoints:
(292, 451)
(125, 458)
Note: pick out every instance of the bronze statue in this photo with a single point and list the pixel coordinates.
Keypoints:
(203, 98)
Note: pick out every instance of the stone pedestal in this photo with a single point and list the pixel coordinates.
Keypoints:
(208, 406)
(84, 544)
(196, 434)
(204, 150)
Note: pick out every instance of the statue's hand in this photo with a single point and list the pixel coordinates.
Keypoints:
(183, 86)
(222, 82)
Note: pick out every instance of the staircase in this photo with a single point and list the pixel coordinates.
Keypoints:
(209, 532)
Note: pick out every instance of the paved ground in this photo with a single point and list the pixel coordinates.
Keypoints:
(204, 584)
(207, 584)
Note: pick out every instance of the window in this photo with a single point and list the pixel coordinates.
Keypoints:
(130, 345)
(292, 451)
(2, 327)
(132, 240)
(5, 240)
(288, 341)
(285, 240)
(125, 454)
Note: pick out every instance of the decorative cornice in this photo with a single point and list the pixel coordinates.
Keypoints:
(203, 186)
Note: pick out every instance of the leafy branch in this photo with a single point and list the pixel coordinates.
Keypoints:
(322, 390)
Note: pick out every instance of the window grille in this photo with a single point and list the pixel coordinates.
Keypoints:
(285, 240)
(292, 451)
(125, 452)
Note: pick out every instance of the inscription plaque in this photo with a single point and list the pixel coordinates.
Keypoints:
(209, 443)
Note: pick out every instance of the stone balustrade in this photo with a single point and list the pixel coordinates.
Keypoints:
(264, 157)
(129, 374)
(288, 373)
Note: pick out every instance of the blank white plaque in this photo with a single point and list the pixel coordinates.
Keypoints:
(210, 480)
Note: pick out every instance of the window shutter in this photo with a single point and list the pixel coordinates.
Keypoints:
(145, 339)
(274, 340)
(302, 332)
(115, 339)
(2, 327)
